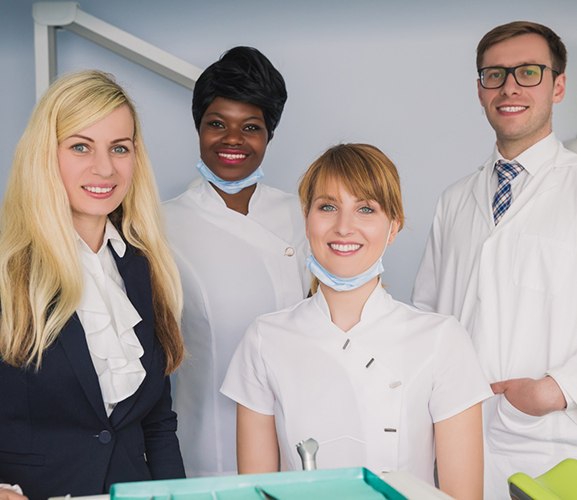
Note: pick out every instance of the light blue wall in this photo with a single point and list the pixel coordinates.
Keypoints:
(396, 73)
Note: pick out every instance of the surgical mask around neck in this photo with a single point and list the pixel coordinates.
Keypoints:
(343, 284)
(340, 284)
(230, 187)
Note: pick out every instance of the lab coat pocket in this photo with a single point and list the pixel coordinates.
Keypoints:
(513, 414)
(541, 263)
(510, 428)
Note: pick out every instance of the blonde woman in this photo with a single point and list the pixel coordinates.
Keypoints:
(90, 302)
(377, 383)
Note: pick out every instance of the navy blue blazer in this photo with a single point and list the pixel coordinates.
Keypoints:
(55, 436)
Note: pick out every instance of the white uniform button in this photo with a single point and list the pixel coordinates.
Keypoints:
(289, 251)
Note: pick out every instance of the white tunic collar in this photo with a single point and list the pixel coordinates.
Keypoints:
(206, 189)
(378, 303)
(108, 318)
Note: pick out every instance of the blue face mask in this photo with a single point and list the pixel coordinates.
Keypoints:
(346, 284)
(230, 187)
(343, 284)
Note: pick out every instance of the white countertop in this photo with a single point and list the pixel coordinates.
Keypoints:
(403, 482)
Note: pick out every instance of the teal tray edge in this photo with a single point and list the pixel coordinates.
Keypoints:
(195, 487)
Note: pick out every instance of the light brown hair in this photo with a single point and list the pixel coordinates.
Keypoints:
(517, 28)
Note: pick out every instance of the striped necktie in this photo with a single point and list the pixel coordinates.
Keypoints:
(506, 172)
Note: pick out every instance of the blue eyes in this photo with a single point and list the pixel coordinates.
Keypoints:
(83, 148)
(79, 148)
(326, 207)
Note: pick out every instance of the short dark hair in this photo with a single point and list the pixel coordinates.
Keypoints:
(242, 74)
(516, 28)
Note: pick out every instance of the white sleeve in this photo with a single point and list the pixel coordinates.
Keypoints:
(458, 381)
(246, 380)
(426, 283)
(566, 378)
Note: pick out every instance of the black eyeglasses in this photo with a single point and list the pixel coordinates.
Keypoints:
(526, 75)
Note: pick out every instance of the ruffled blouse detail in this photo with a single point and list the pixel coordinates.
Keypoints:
(108, 318)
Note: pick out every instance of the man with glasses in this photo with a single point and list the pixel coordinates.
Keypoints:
(502, 257)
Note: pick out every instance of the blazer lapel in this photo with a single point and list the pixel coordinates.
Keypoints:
(73, 341)
(136, 276)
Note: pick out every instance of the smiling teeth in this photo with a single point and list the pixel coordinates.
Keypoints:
(97, 190)
(228, 156)
(512, 109)
(350, 247)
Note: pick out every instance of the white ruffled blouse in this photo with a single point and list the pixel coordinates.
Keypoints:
(108, 318)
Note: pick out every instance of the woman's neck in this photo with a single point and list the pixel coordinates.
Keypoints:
(238, 201)
(346, 307)
(91, 230)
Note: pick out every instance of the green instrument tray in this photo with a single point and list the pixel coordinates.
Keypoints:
(334, 484)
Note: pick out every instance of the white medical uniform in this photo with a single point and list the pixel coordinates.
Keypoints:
(369, 396)
(572, 144)
(233, 268)
(514, 288)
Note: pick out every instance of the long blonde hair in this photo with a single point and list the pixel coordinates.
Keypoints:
(40, 273)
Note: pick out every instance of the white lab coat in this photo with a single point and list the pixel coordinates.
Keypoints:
(571, 144)
(233, 268)
(369, 396)
(514, 287)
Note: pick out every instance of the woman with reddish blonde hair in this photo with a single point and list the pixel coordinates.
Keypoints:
(373, 380)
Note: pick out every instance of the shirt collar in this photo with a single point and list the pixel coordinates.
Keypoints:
(531, 159)
(111, 235)
(378, 302)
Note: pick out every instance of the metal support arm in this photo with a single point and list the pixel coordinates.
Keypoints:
(51, 15)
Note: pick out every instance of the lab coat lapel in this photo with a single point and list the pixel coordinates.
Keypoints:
(543, 181)
(136, 275)
(483, 196)
(73, 341)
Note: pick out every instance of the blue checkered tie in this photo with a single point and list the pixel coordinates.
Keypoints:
(506, 172)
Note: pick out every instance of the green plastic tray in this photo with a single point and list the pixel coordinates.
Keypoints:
(351, 483)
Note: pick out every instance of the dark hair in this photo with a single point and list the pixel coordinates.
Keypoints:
(516, 28)
(242, 74)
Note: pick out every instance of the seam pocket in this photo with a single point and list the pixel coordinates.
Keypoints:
(542, 264)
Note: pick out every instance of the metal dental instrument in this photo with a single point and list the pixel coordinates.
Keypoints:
(264, 494)
(308, 451)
